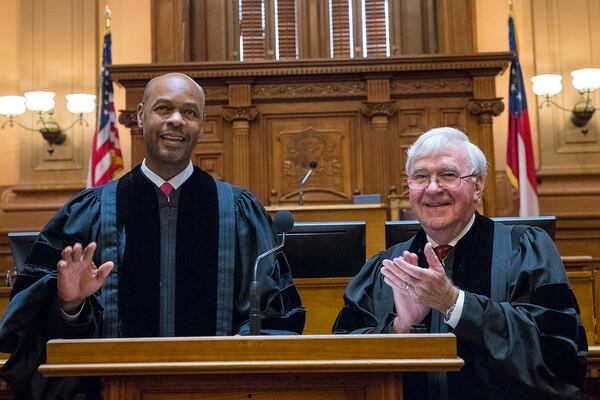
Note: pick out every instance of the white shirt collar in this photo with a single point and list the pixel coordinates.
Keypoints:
(456, 239)
(175, 181)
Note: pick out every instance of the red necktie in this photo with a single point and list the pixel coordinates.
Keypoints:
(166, 188)
(442, 251)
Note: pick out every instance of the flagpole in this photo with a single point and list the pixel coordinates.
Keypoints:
(107, 16)
(106, 158)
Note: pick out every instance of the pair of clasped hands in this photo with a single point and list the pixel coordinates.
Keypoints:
(417, 290)
(78, 276)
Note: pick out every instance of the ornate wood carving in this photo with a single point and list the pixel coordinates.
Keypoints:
(247, 114)
(427, 86)
(310, 90)
(386, 108)
(378, 107)
(485, 109)
(217, 93)
(299, 148)
(129, 119)
(429, 66)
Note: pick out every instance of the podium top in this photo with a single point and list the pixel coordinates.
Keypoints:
(252, 354)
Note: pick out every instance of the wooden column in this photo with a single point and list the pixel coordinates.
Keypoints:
(138, 152)
(379, 108)
(240, 113)
(484, 110)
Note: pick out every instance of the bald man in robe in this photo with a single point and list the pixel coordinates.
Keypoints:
(166, 250)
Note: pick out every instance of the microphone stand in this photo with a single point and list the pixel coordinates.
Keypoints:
(301, 194)
(254, 294)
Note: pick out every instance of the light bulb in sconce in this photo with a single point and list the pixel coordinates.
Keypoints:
(584, 80)
(81, 103)
(39, 101)
(547, 85)
(42, 104)
(12, 106)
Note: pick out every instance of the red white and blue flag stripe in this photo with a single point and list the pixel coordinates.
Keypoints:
(519, 154)
(106, 160)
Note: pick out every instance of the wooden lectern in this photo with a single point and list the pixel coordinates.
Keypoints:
(256, 367)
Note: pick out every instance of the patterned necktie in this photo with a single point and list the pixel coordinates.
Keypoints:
(442, 252)
(166, 188)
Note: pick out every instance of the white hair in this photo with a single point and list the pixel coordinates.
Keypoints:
(435, 141)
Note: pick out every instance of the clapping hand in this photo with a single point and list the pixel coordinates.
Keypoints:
(408, 309)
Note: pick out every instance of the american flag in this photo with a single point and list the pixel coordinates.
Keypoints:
(106, 160)
(519, 153)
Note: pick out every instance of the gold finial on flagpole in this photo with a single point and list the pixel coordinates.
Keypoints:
(107, 15)
(510, 5)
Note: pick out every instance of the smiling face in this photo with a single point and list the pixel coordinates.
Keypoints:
(171, 115)
(443, 213)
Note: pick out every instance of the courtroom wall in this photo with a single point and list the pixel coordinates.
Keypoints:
(563, 33)
(9, 84)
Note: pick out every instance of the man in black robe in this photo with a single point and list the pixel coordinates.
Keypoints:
(164, 251)
(502, 291)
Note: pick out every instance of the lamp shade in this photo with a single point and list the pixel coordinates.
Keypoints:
(547, 84)
(586, 79)
(81, 103)
(11, 106)
(39, 101)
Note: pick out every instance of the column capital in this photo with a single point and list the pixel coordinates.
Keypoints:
(485, 109)
(239, 113)
(129, 119)
(386, 108)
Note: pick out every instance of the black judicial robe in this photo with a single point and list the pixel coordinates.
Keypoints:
(519, 333)
(220, 231)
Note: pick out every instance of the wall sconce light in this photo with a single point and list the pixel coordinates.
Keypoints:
(42, 105)
(584, 80)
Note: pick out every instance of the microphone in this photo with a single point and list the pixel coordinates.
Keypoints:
(282, 223)
(311, 166)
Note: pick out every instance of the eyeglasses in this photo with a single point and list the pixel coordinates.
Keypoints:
(445, 180)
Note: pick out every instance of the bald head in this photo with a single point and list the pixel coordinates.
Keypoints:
(171, 115)
(173, 78)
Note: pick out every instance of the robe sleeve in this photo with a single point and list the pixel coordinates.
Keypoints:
(33, 316)
(281, 308)
(532, 345)
(368, 301)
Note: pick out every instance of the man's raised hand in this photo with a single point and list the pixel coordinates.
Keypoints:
(78, 276)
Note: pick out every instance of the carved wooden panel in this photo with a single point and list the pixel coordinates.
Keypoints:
(412, 122)
(326, 139)
(453, 117)
(210, 162)
(310, 90)
(213, 131)
(452, 85)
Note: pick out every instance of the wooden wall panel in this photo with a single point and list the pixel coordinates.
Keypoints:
(569, 156)
(298, 140)
(57, 52)
(355, 117)
(208, 30)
